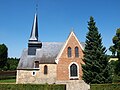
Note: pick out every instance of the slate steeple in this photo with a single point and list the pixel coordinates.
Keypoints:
(34, 43)
(34, 32)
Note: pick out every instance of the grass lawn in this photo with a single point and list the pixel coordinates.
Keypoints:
(8, 81)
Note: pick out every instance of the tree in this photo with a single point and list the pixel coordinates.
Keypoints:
(116, 68)
(3, 55)
(96, 68)
(12, 63)
(115, 49)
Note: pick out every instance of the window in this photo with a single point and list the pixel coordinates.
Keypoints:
(45, 69)
(76, 52)
(33, 73)
(36, 64)
(73, 70)
(69, 52)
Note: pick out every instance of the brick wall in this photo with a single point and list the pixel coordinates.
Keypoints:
(64, 61)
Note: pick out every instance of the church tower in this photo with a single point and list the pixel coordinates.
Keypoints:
(33, 42)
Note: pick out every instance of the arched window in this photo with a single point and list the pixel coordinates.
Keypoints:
(69, 52)
(76, 52)
(73, 70)
(45, 69)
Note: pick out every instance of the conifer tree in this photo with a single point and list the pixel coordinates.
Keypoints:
(3, 55)
(96, 68)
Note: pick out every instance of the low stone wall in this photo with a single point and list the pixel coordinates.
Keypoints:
(26, 76)
(75, 85)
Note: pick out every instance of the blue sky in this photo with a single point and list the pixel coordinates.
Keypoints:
(56, 18)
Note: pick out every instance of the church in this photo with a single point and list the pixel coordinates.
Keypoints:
(50, 62)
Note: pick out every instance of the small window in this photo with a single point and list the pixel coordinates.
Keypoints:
(33, 73)
(36, 64)
(45, 69)
(76, 52)
(69, 52)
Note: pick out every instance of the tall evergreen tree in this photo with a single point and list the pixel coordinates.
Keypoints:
(3, 55)
(96, 68)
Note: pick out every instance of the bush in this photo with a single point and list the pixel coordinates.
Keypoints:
(5, 68)
(116, 79)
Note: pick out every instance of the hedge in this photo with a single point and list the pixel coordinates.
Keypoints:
(55, 87)
(105, 87)
(31, 87)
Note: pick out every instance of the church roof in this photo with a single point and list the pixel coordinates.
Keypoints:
(46, 55)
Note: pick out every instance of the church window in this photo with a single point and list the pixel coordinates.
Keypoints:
(76, 51)
(69, 52)
(45, 69)
(73, 70)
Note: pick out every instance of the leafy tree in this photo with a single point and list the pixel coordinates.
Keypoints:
(116, 68)
(3, 55)
(96, 68)
(115, 49)
(12, 63)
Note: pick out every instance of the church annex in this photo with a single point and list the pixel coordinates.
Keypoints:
(50, 62)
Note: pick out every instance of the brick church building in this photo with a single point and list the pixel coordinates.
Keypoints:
(50, 62)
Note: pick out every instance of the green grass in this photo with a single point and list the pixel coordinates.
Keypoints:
(105, 87)
(8, 81)
(31, 87)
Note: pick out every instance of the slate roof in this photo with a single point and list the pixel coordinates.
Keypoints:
(46, 55)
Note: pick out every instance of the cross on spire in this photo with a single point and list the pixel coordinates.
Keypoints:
(33, 43)
(36, 7)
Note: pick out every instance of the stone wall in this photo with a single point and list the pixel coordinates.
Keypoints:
(75, 85)
(26, 76)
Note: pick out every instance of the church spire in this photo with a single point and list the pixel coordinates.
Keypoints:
(34, 32)
(34, 43)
